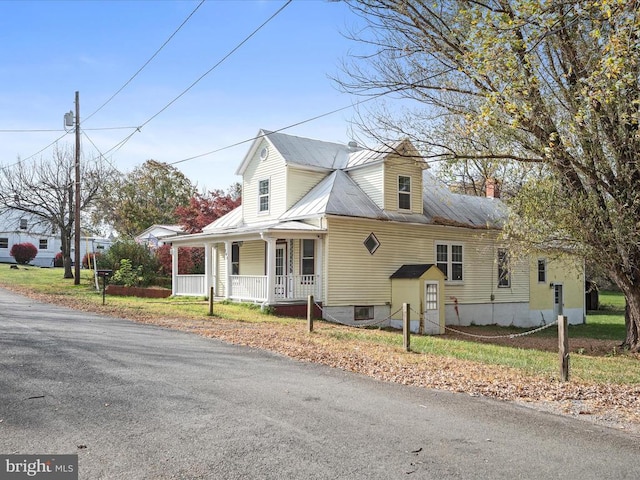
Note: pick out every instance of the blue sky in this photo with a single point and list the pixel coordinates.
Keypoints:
(279, 77)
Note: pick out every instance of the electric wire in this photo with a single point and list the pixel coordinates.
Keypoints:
(122, 142)
(147, 62)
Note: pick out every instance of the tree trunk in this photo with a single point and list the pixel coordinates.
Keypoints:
(631, 318)
(65, 239)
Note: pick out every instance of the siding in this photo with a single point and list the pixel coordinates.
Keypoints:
(370, 180)
(299, 183)
(252, 258)
(567, 271)
(402, 166)
(273, 168)
(357, 277)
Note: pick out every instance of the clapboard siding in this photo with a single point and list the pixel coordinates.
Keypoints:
(300, 182)
(272, 168)
(357, 277)
(370, 180)
(252, 258)
(394, 167)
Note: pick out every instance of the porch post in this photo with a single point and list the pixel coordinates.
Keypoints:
(174, 270)
(271, 269)
(215, 268)
(227, 256)
(207, 269)
(319, 267)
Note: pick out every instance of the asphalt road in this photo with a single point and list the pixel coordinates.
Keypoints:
(140, 402)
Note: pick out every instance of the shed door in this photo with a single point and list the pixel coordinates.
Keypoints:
(558, 300)
(431, 308)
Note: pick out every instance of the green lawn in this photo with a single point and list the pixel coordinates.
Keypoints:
(607, 323)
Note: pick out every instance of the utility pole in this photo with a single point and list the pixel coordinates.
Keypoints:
(76, 279)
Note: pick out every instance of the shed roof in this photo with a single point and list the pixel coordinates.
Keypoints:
(412, 270)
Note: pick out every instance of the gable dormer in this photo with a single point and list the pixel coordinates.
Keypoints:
(391, 176)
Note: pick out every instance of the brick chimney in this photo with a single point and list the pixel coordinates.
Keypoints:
(492, 188)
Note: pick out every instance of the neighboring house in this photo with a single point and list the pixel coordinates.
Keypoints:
(155, 235)
(365, 231)
(20, 227)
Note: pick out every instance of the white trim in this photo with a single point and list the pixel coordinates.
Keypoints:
(448, 280)
(262, 195)
(399, 192)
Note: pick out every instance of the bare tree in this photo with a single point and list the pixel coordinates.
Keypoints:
(557, 82)
(44, 189)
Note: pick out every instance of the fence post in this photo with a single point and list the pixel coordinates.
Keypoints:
(211, 302)
(563, 347)
(406, 324)
(310, 313)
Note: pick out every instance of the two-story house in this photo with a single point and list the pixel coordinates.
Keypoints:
(365, 231)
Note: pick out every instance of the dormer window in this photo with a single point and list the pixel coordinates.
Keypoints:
(263, 196)
(23, 224)
(404, 192)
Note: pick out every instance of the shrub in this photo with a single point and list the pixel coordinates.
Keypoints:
(23, 253)
(143, 261)
(87, 260)
(126, 275)
(190, 260)
(58, 260)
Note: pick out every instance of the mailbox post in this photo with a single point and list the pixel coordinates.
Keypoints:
(105, 274)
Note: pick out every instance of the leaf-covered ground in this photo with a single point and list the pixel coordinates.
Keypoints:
(616, 406)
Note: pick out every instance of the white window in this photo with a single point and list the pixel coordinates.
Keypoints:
(449, 259)
(404, 192)
(23, 224)
(542, 270)
(44, 244)
(263, 195)
(307, 260)
(504, 276)
(4, 242)
(235, 258)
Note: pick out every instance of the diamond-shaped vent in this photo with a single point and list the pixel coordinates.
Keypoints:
(371, 243)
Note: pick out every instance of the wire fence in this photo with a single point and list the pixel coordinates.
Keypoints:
(375, 323)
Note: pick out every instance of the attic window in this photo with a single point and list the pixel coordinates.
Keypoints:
(23, 224)
(404, 192)
(264, 153)
(371, 243)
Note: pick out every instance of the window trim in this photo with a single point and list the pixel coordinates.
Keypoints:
(235, 262)
(46, 244)
(264, 195)
(312, 258)
(405, 193)
(450, 261)
(4, 242)
(542, 261)
(504, 268)
(370, 316)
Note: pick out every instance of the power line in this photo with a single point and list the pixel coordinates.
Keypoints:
(40, 130)
(122, 142)
(147, 62)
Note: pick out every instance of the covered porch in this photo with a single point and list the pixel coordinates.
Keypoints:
(269, 266)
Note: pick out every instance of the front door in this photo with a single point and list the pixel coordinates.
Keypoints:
(431, 309)
(558, 300)
(281, 270)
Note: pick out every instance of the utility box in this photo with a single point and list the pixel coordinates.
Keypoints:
(422, 287)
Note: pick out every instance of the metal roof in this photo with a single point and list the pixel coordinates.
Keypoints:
(412, 271)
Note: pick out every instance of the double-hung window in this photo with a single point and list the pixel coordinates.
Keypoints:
(4, 242)
(235, 258)
(404, 192)
(44, 244)
(542, 270)
(449, 259)
(263, 195)
(504, 276)
(307, 262)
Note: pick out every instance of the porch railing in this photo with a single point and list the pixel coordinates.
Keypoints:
(190, 285)
(253, 288)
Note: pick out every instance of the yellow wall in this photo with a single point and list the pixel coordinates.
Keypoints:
(354, 275)
(371, 180)
(567, 271)
(300, 182)
(393, 167)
